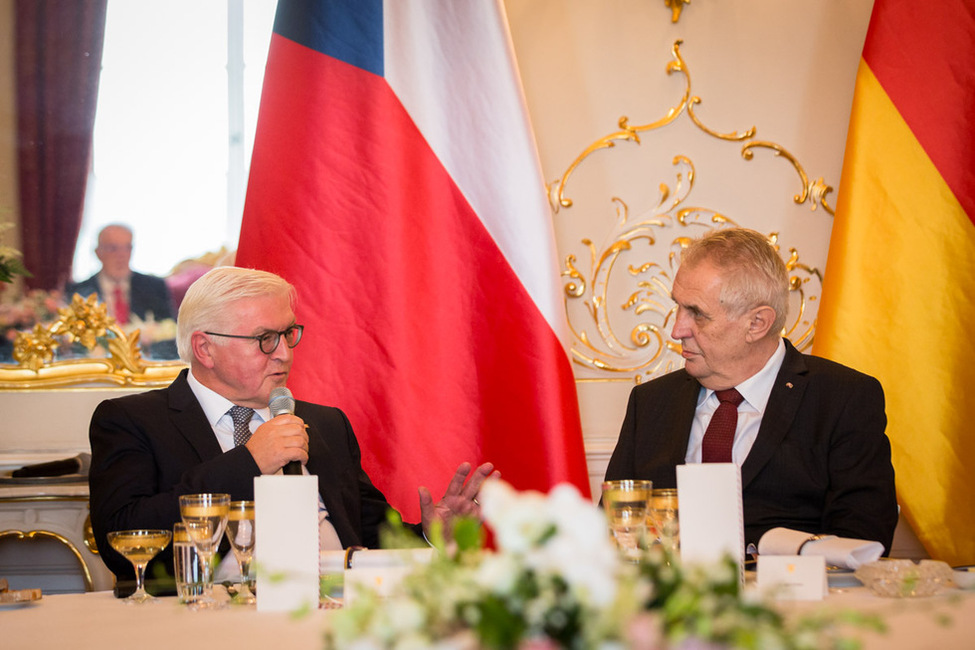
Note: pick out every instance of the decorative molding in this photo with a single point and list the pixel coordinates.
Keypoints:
(618, 305)
(86, 322)
(676, 6)
(46, 534)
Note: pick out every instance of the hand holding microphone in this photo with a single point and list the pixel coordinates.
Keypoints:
(282, 402)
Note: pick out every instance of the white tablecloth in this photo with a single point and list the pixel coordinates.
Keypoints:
(98, 620)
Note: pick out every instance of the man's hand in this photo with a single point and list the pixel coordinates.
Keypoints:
(459, 500)
(278, 441)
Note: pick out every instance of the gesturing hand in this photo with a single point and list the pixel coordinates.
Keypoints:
(459, 500)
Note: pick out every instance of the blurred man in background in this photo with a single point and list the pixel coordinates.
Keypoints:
(126, 293)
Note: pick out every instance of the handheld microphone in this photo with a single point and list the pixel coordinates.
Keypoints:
(282, 402)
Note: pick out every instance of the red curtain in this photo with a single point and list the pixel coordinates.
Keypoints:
(59, 57)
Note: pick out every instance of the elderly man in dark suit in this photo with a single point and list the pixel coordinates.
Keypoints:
(125, 292)
(237, 331)
(807, 433)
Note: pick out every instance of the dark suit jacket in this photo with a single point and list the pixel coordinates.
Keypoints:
(821, 462)
(149, 448)
(147, 293)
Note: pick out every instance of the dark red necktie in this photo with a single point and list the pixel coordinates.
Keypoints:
(720, 436)
(121, 306)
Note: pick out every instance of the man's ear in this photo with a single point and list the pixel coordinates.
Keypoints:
(760, 321)
(202, 348)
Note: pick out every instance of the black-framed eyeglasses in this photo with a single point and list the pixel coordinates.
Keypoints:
(268, 341)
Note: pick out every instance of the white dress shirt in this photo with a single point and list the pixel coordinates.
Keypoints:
(215, 407)
(755, 390)
(106, 293)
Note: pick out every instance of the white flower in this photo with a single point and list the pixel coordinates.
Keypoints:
(519, 520)
(498, 573)
(563, 534)
(404, 615)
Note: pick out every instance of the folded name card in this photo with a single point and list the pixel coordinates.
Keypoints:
(711, 521)
(792, 577)
(286, 555)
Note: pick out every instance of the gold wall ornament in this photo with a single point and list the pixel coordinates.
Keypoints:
(84, 321)
(815, 192)
(622, 330)
(675, 6)
(618, 304)
(556, 189)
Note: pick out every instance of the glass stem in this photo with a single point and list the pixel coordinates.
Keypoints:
(245, 570)
(140, 580)
(206, 563)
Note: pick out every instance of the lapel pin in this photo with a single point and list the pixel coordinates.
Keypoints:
(788, 384)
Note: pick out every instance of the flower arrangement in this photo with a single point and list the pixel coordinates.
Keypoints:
(556, 580)
(37, 306)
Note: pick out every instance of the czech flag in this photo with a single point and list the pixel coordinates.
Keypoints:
(899, 291)
(395, 183)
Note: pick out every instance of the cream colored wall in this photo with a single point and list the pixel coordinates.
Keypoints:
(786, 68)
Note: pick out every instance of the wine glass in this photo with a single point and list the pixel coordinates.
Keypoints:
(138, 547)
(625, 503)
(205, 517)
(664, 519)
(240, 531)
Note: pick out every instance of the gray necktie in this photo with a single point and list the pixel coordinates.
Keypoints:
(242, 419)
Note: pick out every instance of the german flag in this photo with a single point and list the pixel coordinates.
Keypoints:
(899, 293)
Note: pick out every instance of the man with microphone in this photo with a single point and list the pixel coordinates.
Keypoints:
(213, 429)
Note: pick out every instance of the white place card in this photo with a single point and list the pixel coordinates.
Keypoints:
(286, 556)
(711, 521)
(792, 577)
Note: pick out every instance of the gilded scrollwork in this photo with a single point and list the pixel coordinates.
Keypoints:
(675, 6)
(618, 306)
(84, 322)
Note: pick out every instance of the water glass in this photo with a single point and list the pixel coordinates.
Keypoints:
(186, 561)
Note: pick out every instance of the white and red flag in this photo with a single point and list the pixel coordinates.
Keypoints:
(396, 183)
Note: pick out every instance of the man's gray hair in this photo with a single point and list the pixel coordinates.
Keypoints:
(753, 272)
(204, 308)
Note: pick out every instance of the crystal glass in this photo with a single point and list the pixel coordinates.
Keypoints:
(205, 518)
(138, 547)
(905, 578)
(240, 532)
(663, 520)
(186, 563)
(626, 505)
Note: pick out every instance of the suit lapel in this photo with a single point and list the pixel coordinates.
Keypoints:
(783, 403)
(683, 417)
(189, 419)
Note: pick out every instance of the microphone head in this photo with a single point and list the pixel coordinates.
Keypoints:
(281, 401)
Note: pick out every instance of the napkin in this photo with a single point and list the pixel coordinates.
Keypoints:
(76, 465)
(842, 552)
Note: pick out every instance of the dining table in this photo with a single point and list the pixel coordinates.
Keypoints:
(92, 620)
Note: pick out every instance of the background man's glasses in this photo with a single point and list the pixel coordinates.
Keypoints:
(269, 340)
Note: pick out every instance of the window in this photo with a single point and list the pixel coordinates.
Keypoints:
(177, 108)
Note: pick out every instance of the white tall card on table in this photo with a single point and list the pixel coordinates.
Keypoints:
(286, 555)
(711, 519)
